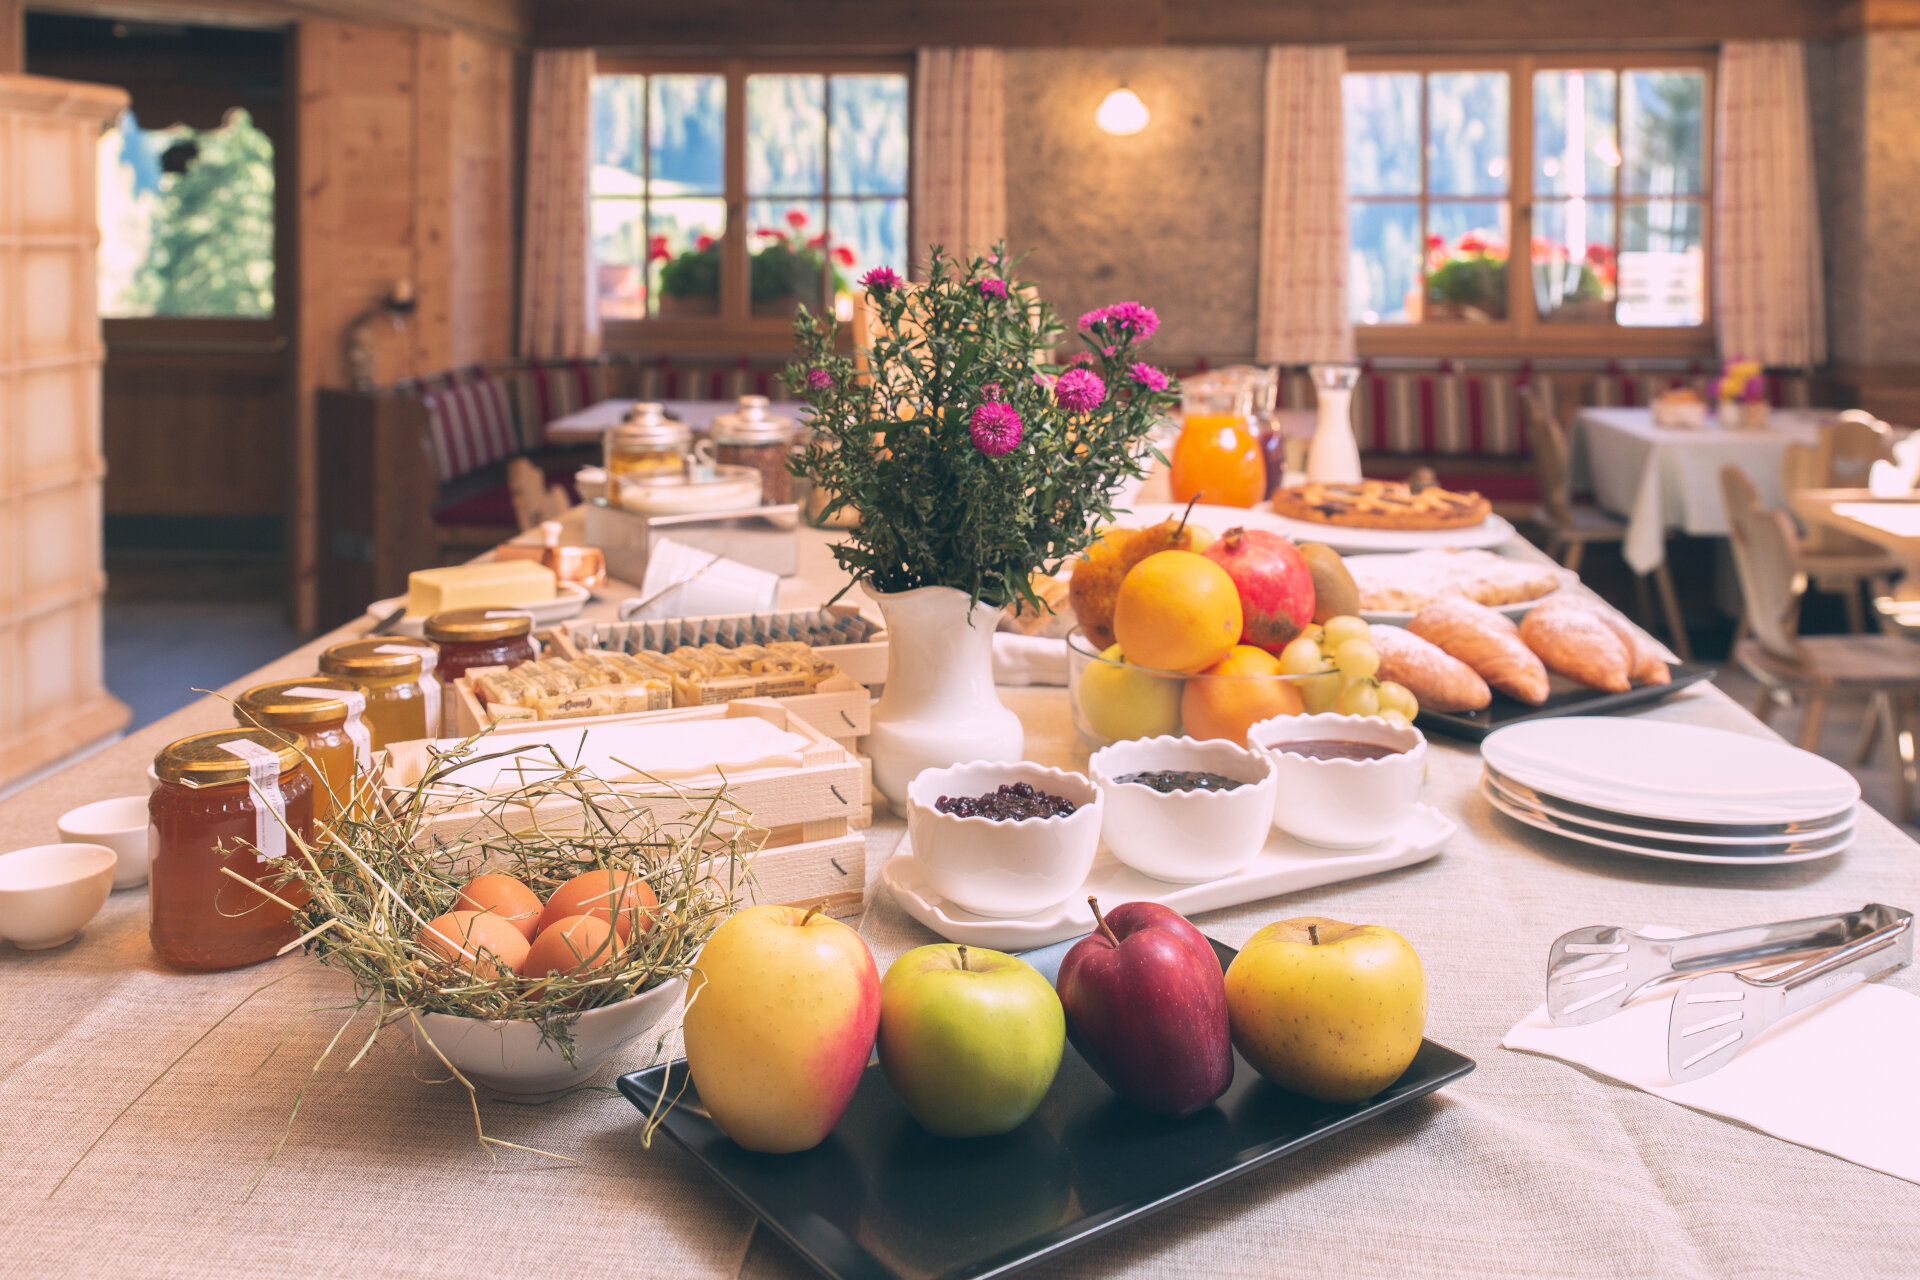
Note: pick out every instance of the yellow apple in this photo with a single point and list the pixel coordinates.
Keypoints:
(1331, 1010)
(1122, 701)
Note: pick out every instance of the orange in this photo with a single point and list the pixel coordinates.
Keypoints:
(1176, 611)
(1227, 708)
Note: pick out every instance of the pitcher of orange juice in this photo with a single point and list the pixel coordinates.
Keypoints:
(1218, 458)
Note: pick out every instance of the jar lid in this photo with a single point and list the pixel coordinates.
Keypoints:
(647, 426)
(201, 761)
(375, 657)
(752, 425)
(467, 626)
(270, 705)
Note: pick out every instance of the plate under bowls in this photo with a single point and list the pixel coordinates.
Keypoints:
(1490, 532)
(1668, 851)
(1744, 833)
(569, 599)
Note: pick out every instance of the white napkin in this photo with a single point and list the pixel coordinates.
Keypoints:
(686, 582)
(1837, 1077)
(1019, 659)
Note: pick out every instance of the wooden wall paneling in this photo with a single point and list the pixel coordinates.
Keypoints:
(432, 202)
(13, 37)
(201, 431)
(502, 20)
(843, 26)
(481, 219)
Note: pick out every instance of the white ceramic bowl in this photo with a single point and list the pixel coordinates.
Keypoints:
(1185, 836)
(121, 825)
(50, 891)
(1342, 804)
(510, 1057)
(1003, 869)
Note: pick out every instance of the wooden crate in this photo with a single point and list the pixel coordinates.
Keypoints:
(812, 853)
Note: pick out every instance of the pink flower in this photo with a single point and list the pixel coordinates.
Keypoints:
(1132, 320)
(818, 379)
(1147, 376)
(1044, 381)
(995, 289)
(992, 391)
(1108, 351)
(796, 219)
(1079, 390)
(1081, 357)
(1092, 318)
(996, 429)
(880, 279)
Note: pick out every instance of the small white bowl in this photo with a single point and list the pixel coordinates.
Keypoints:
(1185, 836)
(1342, 804)
(50, 891)
(1003, 869)
(510, 1057)
(121, 825)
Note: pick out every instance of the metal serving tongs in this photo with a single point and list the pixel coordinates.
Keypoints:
(1717, 1014)
(1593, 972)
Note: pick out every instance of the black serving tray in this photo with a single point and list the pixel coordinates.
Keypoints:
(1565, 698)
(881, 1199)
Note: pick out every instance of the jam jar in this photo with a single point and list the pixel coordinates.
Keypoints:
(752, 437)
(470, 638)
(325, 714)
(648, 444)
(215, 791)
(396, 675)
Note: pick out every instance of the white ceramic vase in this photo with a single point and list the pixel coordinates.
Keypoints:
(1334, 456)
(939, 707)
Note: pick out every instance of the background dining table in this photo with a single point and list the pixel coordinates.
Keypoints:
(144, 1108)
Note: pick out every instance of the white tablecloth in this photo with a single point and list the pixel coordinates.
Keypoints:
(1661, 478)
(588, 425)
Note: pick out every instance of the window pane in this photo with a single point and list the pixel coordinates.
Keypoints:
(687, 130)
(1467, 133)
(1383, 262)
(1382, 120)
(1573, 267)
(1575, 146)
(616, 135)
(683, 255)
(869, 137)
(788, 251)
(1662, 277)
(619, 282)
(1660, 132)
(868, 234)
(786, 134)
(1467, 261)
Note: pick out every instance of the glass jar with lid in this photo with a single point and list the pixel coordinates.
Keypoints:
(647, 444)
(216, 791)
(753, 437)
(470, 638)
(325, 714)
(395, 674)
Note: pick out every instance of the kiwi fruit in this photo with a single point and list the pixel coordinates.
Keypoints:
(1334, 592)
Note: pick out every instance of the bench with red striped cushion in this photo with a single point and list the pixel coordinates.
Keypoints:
(470, 424)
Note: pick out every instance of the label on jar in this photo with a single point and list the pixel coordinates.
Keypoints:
(355, 728)
(270, 807)
(429, 686)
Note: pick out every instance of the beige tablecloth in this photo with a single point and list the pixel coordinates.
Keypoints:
(138, 1106)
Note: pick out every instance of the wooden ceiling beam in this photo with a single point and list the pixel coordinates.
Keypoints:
(503, 21)
(846, 26)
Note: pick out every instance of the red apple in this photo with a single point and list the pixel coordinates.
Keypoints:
(1274, 582)
(1146, 1006)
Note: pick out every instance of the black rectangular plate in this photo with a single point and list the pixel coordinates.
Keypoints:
(881, 1199)
(1565, 698)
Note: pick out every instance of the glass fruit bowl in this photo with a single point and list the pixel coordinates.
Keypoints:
(1115, 700)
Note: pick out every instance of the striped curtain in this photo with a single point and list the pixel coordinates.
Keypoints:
(1303, 219)
(959, 152)
(1768, 299)
(559, 315)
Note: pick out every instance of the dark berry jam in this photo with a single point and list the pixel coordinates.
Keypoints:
(1012, 802)
(1170, 780)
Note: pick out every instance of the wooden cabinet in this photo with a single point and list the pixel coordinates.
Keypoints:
(51, 697)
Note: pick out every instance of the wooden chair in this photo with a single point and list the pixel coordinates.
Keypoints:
(1881, 671)
(534, 500)
(1571, 525)
(1839, 562)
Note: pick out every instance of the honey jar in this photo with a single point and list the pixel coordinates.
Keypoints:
(217, 791)
(647, 444)
(325, 715)
(470, 638)
(752, 437)
(396, 675)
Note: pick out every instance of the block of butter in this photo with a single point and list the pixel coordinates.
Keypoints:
(497, 584)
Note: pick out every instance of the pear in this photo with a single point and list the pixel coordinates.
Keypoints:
(1097, 574)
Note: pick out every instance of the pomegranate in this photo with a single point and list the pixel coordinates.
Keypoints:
(1274, 582)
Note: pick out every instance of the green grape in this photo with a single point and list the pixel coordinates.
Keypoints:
(1315, 632)
(1344, 628)
(1397, 697)
(1361, 698)
(1357, 659)
(1301, 657)
(1396, 719)
(1319, 692)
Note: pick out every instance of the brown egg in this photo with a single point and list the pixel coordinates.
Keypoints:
(478, 941)
(570, 945)
(603, 893)
(506, 897)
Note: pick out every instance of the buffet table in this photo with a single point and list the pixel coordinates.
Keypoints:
(141, 1106)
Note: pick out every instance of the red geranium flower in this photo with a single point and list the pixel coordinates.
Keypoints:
(657, 249)
(704, 243)
(844, 256)
(796, 218)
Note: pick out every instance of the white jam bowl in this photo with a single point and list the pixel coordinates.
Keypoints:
(49, 892)
(1185, 836)
(512, 1057)
(1003, 869)
(121, 825)
(1342, 804)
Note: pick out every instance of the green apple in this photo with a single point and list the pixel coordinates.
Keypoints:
(970, 1039)
(1331, 1010)
(1123, 701)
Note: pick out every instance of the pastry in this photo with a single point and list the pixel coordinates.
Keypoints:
(1408, 583)
(1053, 620)
(1439, 680)
(1486, 641)
(1577, 642)
(1649, 663)
(1382, 504)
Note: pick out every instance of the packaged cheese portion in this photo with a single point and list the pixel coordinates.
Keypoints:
(497, 584)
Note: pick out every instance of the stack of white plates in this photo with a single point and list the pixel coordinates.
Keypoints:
(1674, 791)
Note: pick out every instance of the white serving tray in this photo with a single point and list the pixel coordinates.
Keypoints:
(1285, 866)
(1490, 532)
(569, 599)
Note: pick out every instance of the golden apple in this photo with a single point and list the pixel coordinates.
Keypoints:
(1331, 1010)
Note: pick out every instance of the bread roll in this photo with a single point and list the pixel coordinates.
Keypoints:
(1576, 642)
(1439, 681)
(1486, 641)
